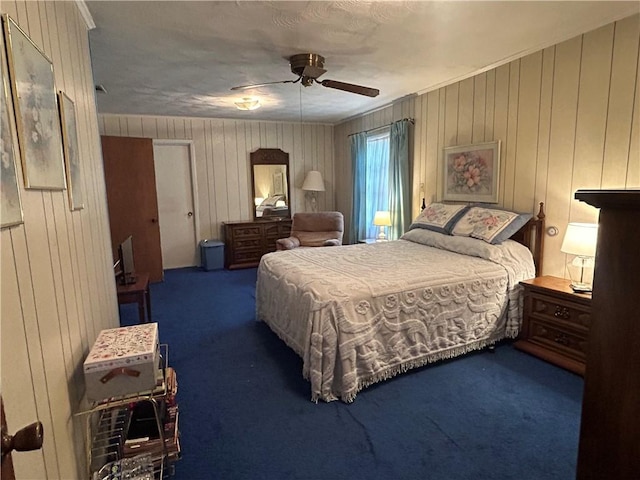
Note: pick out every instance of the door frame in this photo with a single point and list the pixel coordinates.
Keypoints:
(194, 183)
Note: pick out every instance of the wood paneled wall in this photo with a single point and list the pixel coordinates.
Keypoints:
(58, 289)
(567, 116)
(222, 148)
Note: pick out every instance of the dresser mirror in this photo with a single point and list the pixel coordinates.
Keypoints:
(270, 181)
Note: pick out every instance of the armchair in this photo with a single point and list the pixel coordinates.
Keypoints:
(319, 229)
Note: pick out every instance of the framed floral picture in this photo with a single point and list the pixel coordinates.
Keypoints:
(10, 204)
(471, 173)
(36, 110)
(71, 152)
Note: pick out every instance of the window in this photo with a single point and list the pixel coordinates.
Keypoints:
(377, 178)
(381, 181)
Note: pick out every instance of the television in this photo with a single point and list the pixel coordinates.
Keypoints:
(127, 272)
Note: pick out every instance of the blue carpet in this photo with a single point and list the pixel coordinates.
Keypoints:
(245, 410)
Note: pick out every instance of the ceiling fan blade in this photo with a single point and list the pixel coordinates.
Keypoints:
(349, 87)
(256, 85)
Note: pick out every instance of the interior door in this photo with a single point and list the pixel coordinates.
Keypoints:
(7, 472)
(26, 439)
(175, 204)
(132, 200)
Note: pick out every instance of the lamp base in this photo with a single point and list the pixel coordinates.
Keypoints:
(581, 287)
(382, 237)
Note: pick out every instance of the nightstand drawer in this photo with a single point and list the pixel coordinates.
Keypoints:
(549, 335)
(557, 310)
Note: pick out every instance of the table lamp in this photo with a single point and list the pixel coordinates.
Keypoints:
(382, 219)
(580, 240)
(313, 183)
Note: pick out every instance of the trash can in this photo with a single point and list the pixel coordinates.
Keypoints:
(211, 254)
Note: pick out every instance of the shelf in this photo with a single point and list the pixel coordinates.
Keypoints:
(153, 416)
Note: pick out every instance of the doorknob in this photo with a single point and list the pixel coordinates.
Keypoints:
(190, 214)
(25, 439)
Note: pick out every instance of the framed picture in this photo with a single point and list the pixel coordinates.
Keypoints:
(278, 188)
(10, 204)
(470, 173)
(71, 152)
(36, 110)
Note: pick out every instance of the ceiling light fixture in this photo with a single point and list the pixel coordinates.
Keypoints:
(248, 103)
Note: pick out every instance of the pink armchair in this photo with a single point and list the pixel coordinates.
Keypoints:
(321, 229)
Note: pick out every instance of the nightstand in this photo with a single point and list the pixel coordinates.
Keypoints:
(555, 324)
(368, 240)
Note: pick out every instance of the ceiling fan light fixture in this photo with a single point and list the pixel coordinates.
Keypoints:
(248, 103)
(309, 67)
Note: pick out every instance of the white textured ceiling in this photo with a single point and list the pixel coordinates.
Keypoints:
(182, 58)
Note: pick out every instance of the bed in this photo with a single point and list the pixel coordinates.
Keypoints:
(361, 314)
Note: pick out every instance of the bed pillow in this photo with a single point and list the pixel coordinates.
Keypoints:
(439, 217)
(492, 225)
(464, 245)
(271, 201)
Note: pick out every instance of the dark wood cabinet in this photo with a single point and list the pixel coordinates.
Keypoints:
(610, 423)
(556, 321)
(246, 242)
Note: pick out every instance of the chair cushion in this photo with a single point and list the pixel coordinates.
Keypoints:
(316, 239)
(288, 243)
(318, 222)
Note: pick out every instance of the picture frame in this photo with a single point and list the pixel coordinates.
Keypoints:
(71, 151)
(471, 173)
(278, 186)
(10, 201)
(35, 105)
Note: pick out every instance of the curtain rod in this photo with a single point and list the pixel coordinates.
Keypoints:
(383, 126)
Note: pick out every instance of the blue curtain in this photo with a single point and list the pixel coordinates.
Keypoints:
(358, 167)
(399, 182)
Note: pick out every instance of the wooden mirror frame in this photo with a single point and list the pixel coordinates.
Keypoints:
(273, 157)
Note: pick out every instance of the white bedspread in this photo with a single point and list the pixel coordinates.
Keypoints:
(359, 314)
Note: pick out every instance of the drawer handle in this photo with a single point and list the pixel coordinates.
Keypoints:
(562, 312)
(562, 339)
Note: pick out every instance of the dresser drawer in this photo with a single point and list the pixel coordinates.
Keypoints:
(567, 342)
(250, 255)
(559, 311)
(247, 243)
(274, 232)
(249, 231)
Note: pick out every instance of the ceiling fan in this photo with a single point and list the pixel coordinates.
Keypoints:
(309, 67)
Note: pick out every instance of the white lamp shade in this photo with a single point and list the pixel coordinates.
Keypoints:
(382, 219)
(313, 182)
(580, 239)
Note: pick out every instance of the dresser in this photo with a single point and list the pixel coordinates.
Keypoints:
(556, 322)
(246, 241)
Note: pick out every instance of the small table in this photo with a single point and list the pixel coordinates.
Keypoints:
(556, 322)
(369, 240)
(137, 292)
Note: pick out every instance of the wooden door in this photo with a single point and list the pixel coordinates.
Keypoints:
(26, 439)
(131, 197)
(7, 472)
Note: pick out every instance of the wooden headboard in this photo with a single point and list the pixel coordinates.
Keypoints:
(531, 235)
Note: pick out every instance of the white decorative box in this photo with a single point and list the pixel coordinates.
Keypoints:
(123, 361)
